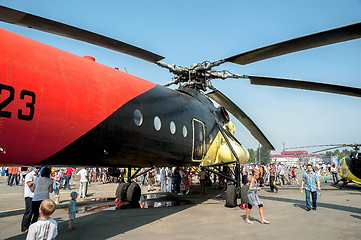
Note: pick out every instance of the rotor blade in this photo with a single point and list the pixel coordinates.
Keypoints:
(242, 117)
(323, 145)
(319, 39)
(31, 21)
(343, 146)
(300, 84)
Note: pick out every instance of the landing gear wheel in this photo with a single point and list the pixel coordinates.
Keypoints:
(244, 198)
(120, 192)
(231, 196)
(133, 193)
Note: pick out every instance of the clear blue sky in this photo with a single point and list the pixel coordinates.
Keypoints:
(193, 31)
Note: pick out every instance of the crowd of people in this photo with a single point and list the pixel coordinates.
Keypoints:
(40, 182)
(171, 180)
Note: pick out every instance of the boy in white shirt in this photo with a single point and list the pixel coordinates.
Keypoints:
(46, 227)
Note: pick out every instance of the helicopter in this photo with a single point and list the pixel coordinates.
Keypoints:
(62, 109)
(348, 167)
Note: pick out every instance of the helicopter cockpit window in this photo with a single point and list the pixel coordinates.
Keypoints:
(198, 140)
(185, 131)
(138, 117)
(172, 127)
(157, 123)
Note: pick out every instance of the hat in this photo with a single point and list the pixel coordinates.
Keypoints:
(73, 194)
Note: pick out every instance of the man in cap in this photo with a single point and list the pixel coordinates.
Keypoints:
(28, 195)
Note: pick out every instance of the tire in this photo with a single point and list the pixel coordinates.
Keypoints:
(244, 198)
(133, 193)
(120, 192)
(231, 196)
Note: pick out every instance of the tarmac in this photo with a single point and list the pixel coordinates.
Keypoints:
(338, 215)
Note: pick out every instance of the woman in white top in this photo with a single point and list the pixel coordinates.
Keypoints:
(42, 187)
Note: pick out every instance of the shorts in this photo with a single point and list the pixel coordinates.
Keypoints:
(72, 215)
(151, 180)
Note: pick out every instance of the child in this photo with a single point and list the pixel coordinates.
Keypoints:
(325, 176)
(72, 209)
(46, 227)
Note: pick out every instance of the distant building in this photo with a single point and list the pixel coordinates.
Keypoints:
(290, 158)
(296, 158)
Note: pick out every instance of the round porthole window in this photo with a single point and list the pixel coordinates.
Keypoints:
(185, 131)
(157, 123)
(172, 127)
(138, 117)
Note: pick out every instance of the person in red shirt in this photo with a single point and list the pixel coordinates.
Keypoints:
(293, 176)
(68, 172)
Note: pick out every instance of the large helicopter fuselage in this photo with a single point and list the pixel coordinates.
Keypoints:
(61, 109)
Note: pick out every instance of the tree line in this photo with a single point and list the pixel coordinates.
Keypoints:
(264, 153)
(339, 154)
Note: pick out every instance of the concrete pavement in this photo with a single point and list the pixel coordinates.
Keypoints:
(338, 216)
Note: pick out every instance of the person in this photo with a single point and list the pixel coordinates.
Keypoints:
(261, 175)
(42, 186)
(281, 173)
(163, 179)
(309, 181)
(122, 174)
(23, 172)
(72, 209)
(202, 179)
(68, 172)
(151, 179)
(293, 176)
(142, 178)
(28, 195)
(46, 227)
(14, 176)
(272, 178)
(244, 189)
(334, 173)
(56, 186)
(187, 183)
(244, 173)
(318, 169)
(254, 200)
(84, 178)
(169, 179)
(176, 180)
(183, 175)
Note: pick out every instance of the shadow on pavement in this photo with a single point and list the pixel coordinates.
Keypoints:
(107, 224)
(319, 204)
(355, 216)
(63, 204)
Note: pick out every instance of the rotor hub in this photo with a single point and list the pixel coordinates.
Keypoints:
(199, 75)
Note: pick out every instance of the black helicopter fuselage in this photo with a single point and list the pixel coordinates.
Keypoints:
(161, 127)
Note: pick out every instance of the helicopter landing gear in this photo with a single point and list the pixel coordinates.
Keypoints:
(234, 189)
(130, 191)
(134, 192)
(231, 196)
(120, 193)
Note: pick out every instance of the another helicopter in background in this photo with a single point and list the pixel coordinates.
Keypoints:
(349, 167)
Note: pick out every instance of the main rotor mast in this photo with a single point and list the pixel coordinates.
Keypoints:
(199, 75)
